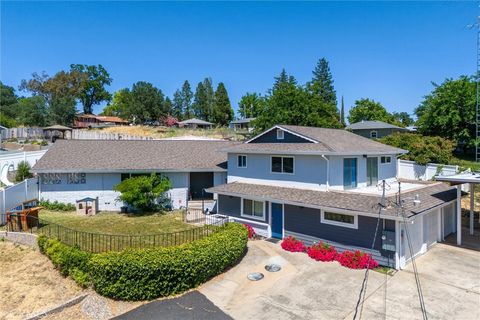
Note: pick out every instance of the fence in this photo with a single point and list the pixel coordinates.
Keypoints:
(10, 197)
(98, 242)
(22, 133)
(413, 171)
(14, 158)
(98, 135)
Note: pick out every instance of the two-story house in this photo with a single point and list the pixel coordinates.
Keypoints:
(320, 184)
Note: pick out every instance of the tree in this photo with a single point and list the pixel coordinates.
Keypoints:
(147, 103)
(23, 171)
(403, 118)
(182, 102)
(119, 105)
(322, 83)
(449, 111)
(368, 110)
(167, 107)
(145, 193)
(250, 105)
(342, 114)
(422, 149)
(222, 109)
(32, 111)
(200, 103)
(93, 87)
(8, 100)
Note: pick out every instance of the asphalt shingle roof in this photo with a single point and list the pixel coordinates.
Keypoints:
(133, 155)
(430, 196)
(373, 125)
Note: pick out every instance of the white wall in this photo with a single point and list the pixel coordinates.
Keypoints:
(14, 195)
(179, 192)
(14, 159)
(413, 171)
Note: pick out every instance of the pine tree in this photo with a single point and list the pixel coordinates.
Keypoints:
(222, 109)
(168, 106)
(200, 102)
(210, 98)
(177, 105)
(342, 114)
(322, 83)
(182, 102)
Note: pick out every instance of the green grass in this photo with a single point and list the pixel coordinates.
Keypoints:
(118, 223)
(385, 270)
(465, 162)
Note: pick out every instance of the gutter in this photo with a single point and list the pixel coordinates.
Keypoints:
(328, 170)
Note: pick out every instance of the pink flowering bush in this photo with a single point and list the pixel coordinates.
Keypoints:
(251, 231)
(170, 121)
(293, 245)
(322, 252)
(356, 260)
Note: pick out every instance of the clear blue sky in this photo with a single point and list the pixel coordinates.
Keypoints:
(382, 50)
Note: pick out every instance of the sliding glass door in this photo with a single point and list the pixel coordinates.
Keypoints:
(372, 171)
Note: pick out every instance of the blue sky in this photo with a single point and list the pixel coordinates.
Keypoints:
(386, 51)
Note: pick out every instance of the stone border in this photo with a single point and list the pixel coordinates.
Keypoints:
(58, 308)
(28, 239)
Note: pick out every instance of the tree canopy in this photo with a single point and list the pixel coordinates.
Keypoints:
(369, 110)
(92, 89)
(222, 109)
(250, 105)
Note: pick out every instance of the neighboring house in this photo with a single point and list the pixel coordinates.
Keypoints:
(374, 129)
(94, 121)
(242, 124)
(322, 185)
(75, 169)
(195, 123)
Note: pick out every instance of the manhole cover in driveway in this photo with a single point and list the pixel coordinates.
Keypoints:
(255, 276)
(273, 267)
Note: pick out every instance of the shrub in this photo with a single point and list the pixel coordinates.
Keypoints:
(140, 274)
(293, 245)
(23, 171)
(322, 252)
(57, 206)
(251, 231)
(356, 260)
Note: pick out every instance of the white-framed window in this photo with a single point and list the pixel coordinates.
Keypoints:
(76, 178)
(339, 219)
(281, 164)
(280, 134)
(373, 134)
(242, 161)
(253, 209)
(385, 159)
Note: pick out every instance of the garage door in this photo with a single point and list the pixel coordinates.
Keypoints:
(449, 219)
(415, 231)
(430, 227)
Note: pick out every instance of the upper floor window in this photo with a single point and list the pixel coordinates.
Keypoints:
(282, 164)
(280, 134)
(373, 134)
(386, 159)
(241, 161)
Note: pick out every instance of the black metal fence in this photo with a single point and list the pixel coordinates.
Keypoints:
(100, 242)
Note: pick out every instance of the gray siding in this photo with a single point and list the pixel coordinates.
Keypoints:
(271, 136)
(231, 206)
(380, 132)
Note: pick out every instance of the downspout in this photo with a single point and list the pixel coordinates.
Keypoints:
(328, 170)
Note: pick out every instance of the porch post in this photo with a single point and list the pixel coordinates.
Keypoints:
(472, 206)
(459, 214)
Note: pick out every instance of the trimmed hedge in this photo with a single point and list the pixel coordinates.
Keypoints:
(142, 274)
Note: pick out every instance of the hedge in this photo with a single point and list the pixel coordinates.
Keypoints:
(143, 274)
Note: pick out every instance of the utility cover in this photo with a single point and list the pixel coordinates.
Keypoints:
(273, 267)
(255, 276)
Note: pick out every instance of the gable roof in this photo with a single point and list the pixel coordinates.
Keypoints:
(326, 141)
(372, 125)
(195, 121)
(133, 156)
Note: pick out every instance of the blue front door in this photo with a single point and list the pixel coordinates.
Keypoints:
(277, 220)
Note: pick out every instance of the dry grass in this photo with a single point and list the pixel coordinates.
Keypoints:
(29, 283)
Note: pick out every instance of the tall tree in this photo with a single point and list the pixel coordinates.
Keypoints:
(167, 106)
(449, 111)
(210, 98)
(322, 83)
(93, 87)
(120, 105)
(200, 103)
(32, 111)
(342, 113)
(403, 118)
(222, 109)
(147, 103)
(182, 102)
(369, 110)
(250, 105)
(8, 101)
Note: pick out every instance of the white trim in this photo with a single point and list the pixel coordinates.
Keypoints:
(338, 223)
(247, 220)
(253, 208)
(242, 155)
(376, 134)
(265, 150)
(280, 134)
(284, 129)
(270, 217)
(281, 156)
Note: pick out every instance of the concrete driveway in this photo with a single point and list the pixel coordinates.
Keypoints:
(306, 289)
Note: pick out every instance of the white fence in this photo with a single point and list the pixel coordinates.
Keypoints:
(22, 133)
(413, 171)
(14, 158)
(12, 196)
(82, 134)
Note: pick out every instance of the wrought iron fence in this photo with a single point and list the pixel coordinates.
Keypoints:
(102, 242)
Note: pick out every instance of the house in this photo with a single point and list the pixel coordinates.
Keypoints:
(374, 129)
(195, 123)
(94, 121)
(320, 184)
(75, 169)
(242, 124)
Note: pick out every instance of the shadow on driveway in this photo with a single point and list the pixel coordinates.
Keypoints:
(193, 305)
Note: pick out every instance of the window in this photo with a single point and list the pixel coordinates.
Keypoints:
(280, 134)
(339, 219)
(282, 164)
(242, 161)
(373, 134)
(253, 209)
(76, 178)
(385, 159)
(349, 173)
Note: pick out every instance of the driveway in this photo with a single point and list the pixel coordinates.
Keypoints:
(306, 289)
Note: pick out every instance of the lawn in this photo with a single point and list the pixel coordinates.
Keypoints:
(465, 162)
(118, 223)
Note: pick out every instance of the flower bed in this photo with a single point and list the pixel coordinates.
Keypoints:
(293, 245)
(322, 252)
(251, 231)
(356, 260)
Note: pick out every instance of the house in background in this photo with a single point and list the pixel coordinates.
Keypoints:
(195, 123)
(75, 169)
(320, 184)
(374, 129)
(94, 121)
(242, 124)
